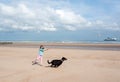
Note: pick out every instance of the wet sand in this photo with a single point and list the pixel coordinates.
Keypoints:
(83, 65)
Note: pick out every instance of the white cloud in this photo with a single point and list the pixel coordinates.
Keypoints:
(47, 26)
(23, 18)
(70, 28)
(69, 17)
(25, 11)
(6, 10)
(48, 16)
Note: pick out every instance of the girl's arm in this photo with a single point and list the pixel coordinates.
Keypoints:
(46, 49)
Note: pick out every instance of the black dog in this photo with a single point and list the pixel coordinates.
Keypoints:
(56, 62)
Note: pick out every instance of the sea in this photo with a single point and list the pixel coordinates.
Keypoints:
(65, 41)
(114, 48)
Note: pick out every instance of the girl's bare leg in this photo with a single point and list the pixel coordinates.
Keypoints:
(41, 60)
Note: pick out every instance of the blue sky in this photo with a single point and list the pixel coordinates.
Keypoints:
(66, 19)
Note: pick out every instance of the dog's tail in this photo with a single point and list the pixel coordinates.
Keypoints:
(48, 62)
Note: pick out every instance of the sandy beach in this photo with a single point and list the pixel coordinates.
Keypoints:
(83, 65)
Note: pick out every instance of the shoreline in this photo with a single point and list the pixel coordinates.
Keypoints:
(87, 46)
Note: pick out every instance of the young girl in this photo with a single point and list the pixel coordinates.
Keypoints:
(40, 55)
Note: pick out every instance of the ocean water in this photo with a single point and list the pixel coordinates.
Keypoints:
(88, 47)
(65, 41)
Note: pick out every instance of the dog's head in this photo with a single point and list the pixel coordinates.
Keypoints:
(63, 58)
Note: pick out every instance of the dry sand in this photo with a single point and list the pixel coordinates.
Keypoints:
(81, 66)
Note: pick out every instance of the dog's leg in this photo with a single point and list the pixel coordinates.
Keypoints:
(52, 66)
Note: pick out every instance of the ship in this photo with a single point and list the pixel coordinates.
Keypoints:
(110, 39)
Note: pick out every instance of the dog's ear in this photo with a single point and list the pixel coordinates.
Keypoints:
(63, 58)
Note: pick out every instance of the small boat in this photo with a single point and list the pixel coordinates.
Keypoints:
(110, 39)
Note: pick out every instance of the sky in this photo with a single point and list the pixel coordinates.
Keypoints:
(59, 19)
